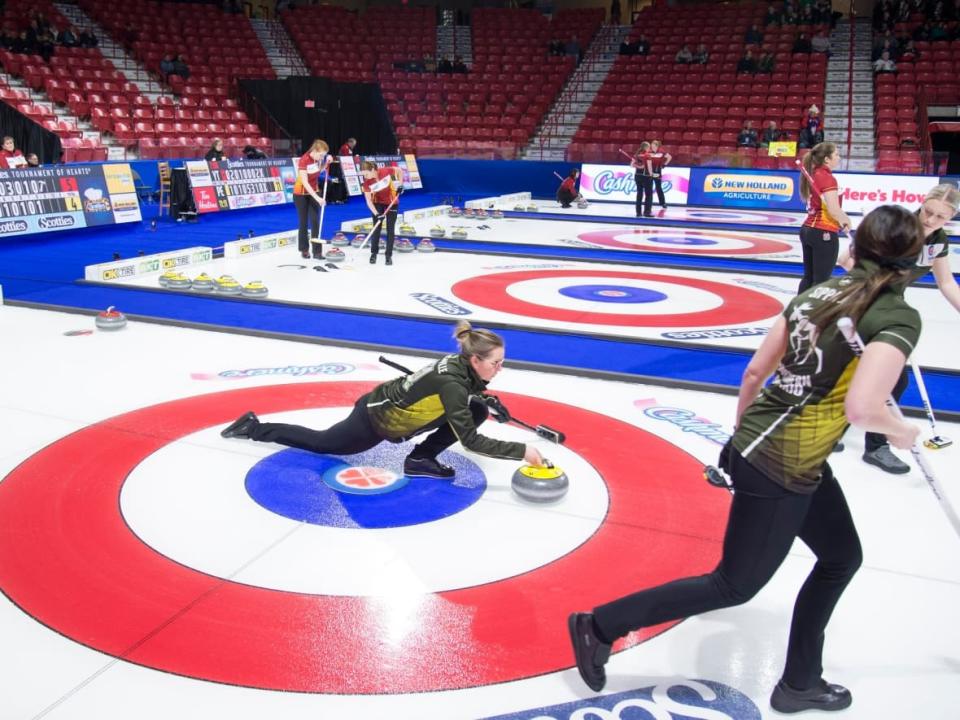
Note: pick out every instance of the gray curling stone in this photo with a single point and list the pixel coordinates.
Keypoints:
(540, 484)
(458, 233)
(426, 245)
(203, 283)
(339, 240)
(111, 319)
(454, 212)
(437, 231)
(254, 289)
(358, 240)
(335, 255)
(582, 204)
(519, 208)
(179, 282)
(404, 245)
(532, 208)
(227, 285)
(497, 214)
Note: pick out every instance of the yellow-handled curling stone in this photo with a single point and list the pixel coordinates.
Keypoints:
(544, 483)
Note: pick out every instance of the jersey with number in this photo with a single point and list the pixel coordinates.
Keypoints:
(817, 214)
(789, 431)
(382, 187)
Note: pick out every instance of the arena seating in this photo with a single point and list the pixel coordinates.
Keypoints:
(697, 110)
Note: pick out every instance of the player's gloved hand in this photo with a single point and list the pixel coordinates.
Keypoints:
(400, 189)
(497, 409)
(723, 462)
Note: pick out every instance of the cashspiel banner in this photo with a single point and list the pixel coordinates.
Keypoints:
(238, 184)
(35, 200)
(616, 183)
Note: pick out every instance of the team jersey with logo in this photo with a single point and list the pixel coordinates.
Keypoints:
(312, 168)
(789, 431)
(656, 161)
(436, 394)
(382, 187)
(817, 215)
(936, 245)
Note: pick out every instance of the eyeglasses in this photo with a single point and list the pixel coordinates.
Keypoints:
(493, 363)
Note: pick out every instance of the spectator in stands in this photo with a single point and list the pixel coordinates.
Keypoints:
(166, 65)
(922, 32)
(66, 37)
(215, 153)
(909, 53)
(772, 17)
(821, 43)
(252, 153)
(180, 67)
(556, 47)
(684, 56)
(790, 15)
(809, 138)
(884, 64)
(24, 45)
(771, 134)
(806, 15)
(573, 48)
(753, 36)
(747, 64)
(45, 45)
(429, 63)
(7, 39)
(446, 66)
(10, 156)
(747, 136)
(886, 45)
(766, 64)
(642, 45)
(128, 36)
(88, 39)
(939, 32)
(702, 55)
(33, 161)
(627, 48)
(458, 65)
(802, 44)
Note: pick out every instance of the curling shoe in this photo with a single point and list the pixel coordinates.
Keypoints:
(241, 427)
(427, 467)
(589, 650)
(884, 459)
(822, 696)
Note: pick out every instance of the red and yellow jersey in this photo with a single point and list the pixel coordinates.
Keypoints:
(569, 184)
(817, 215)
(382, 188)
(312, 168)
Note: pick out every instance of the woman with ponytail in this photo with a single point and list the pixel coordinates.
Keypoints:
(819, 236)
(777, 459)
(445, 399)
(939, 206)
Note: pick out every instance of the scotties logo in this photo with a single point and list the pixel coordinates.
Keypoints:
(447, 307)
(675, 699)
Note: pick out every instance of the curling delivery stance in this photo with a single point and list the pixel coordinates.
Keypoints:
(445, 399)
(777, 459)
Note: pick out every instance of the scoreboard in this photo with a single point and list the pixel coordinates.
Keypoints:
(34, 200)
(238, 184)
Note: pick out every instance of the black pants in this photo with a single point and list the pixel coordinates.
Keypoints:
(391, 222)
(872, 441)
(308, 214)
(763, 523)
(565, 197)
(644, 195)
(819, 256)
(658, 186)
(356, 433)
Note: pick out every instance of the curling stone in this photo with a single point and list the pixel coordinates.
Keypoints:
(437, 231)
(111, 319)
(404, 245)
(426, 245)
(582, 204)
(178, 282)
(480, 213)
(497, 214)
(454, 212)
(459, 233)
(226, 285)
(532, 208)
(335, 255)
(358, 240)
(469, 212)
(254, 289)
(203, 283)
(519, 208)
(339, 239)
(167, 276)
(407, 229)
(540, 484)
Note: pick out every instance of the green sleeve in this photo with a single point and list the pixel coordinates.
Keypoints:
(456, 408)
(897, 326)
